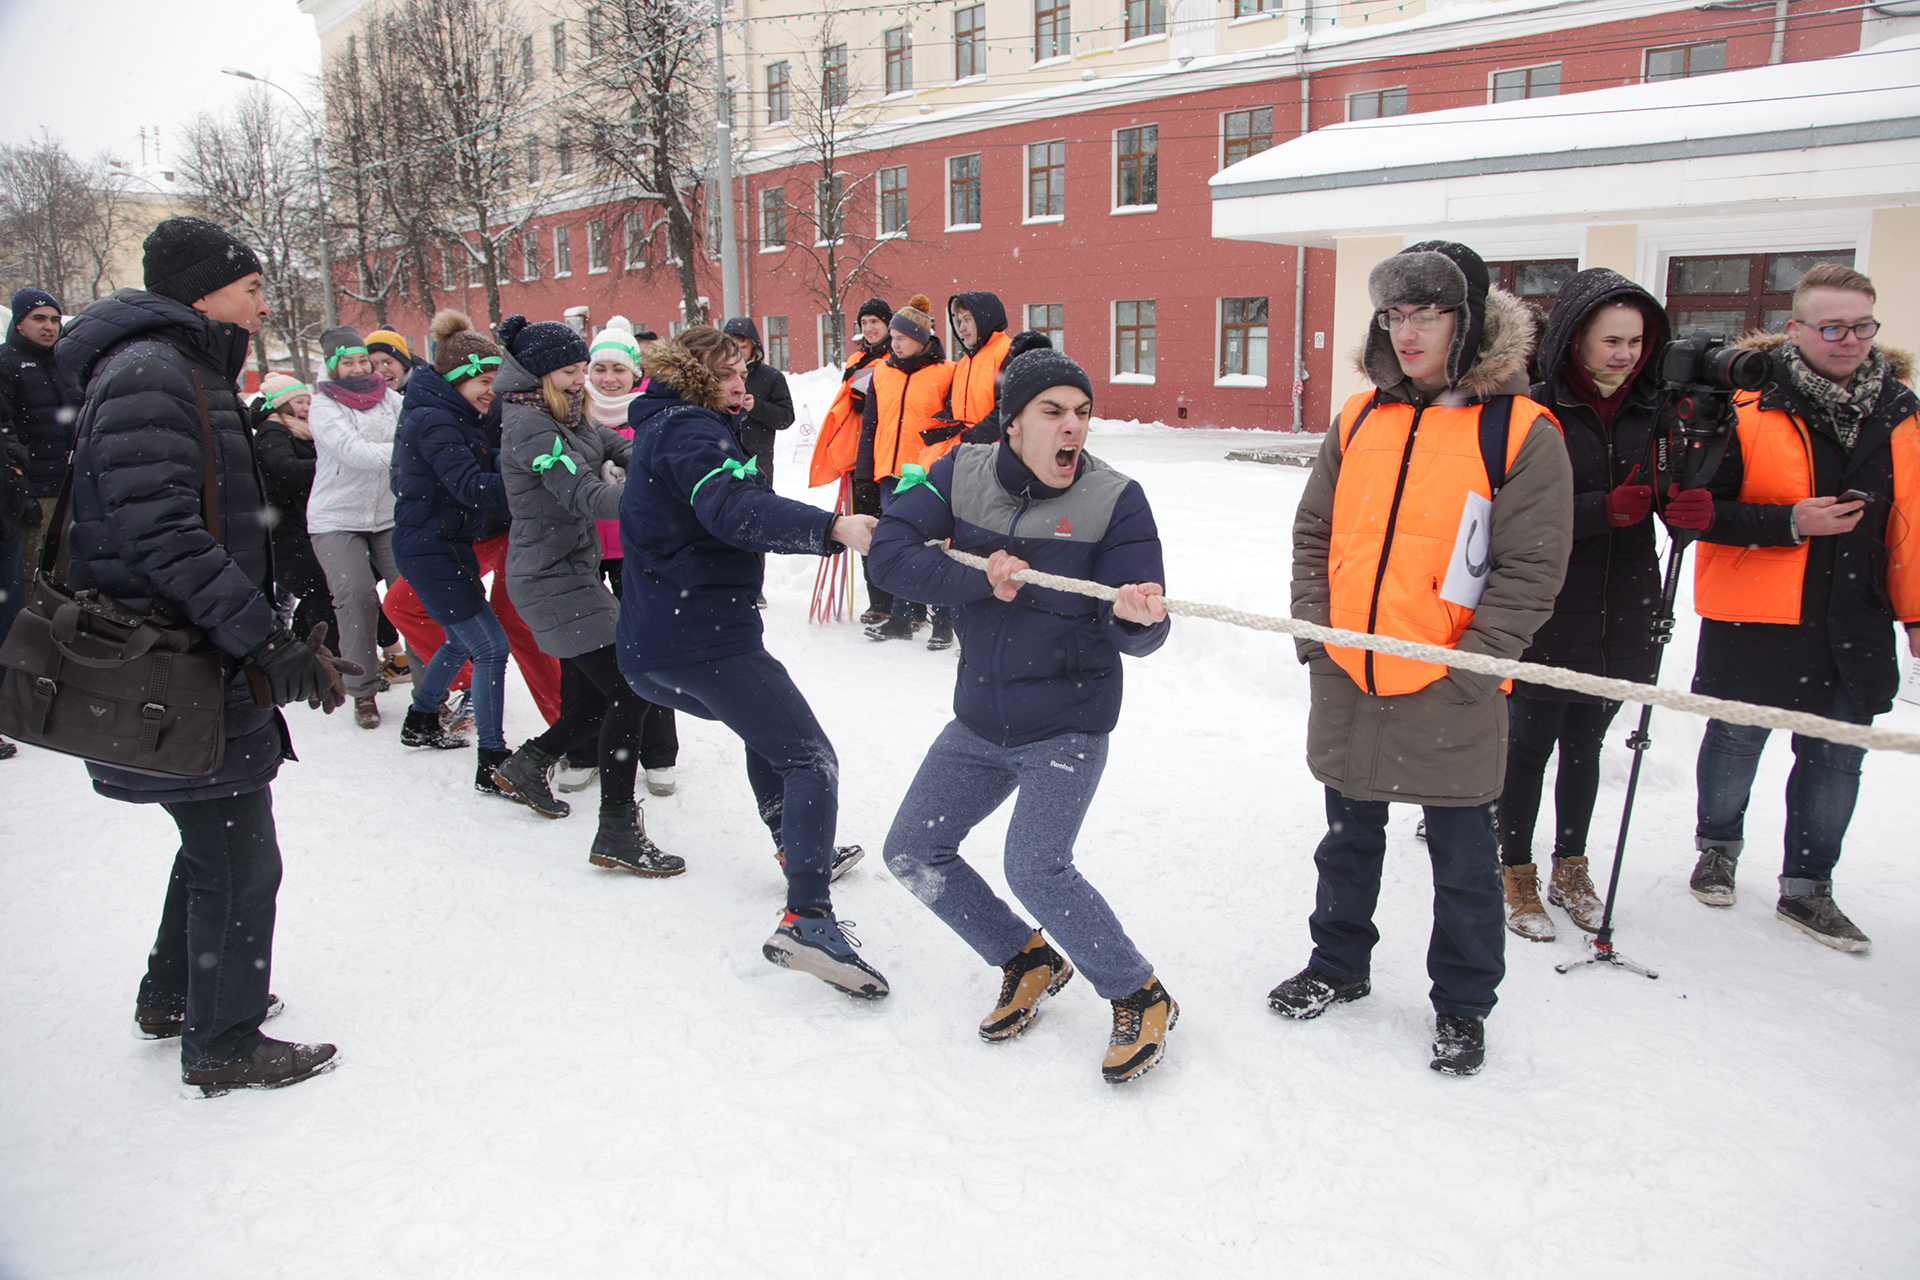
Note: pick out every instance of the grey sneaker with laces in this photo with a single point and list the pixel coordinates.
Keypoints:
(824, 947)
(1712, 879)
(1808, 906)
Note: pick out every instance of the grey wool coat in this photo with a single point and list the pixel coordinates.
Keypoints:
(1445, 744)
(553, 550)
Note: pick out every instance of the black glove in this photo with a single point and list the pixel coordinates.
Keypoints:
(293, 672)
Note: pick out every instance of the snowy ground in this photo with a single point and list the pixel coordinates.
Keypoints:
(555, 1071)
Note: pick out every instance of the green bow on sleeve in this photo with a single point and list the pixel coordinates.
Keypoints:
(914, 474)
(738, 470)
(559, 455)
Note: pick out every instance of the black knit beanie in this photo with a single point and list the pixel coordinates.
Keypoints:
(874, 307)
(542, 348)
(188, 258)
(1026, 376)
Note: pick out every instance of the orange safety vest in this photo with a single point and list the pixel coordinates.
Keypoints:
(837, 446)
(972, 396)
(1396, 514)
(1763, 584)
(906, 403)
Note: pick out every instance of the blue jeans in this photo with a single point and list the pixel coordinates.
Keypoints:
(481, 641)
(1821, 790)
(965, 778)
(1466, 953)
(791, 766)
(213, 956)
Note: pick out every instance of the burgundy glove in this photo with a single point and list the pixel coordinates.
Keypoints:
(1630, 503)
(335, 692)
(1688, 509)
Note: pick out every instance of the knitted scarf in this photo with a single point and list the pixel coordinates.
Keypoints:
(1846, 408)
(363, 392)
(611, 411)
(576, 397)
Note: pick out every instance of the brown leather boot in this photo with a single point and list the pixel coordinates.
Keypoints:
(1572, 891)
(366, 713)
(1525, 915)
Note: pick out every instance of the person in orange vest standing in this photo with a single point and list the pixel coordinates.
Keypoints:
(979, 323)
(1810, 552)
(908, 393)
(1440, 510)
(837, 447)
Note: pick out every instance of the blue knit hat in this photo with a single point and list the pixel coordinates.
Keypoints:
(542, 348)
(25, 300)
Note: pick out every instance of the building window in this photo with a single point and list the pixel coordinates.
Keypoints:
(1047, 179)
(1052, 29)
(963, 191)
(1138, 154)
(1376, 103)
(447, 278)
(970, 41)
(833, 77)
(559, 33)
(562, 251)
(1527, 82)
(474, 279)
(596, 36)
(1243, 338)
(1146, 18)
(597, 245)
(563, 152)
(893, 201)
(1247, 8)
(899, 59)
(1677, 62)
(830, 340)
(1133, 339)
(829, 207)
(636, 242)
(777, 344)
(1247, 133)
(773, 218)
(1049, 318)
(526, 60)
(530, 255)
(1728, 295)
(533, 160)
(1536, 281)
(777, 105)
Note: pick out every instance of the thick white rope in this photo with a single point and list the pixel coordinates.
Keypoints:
(1857, 735)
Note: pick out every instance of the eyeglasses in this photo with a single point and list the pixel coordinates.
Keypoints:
(1422, 320)
(1836, 332)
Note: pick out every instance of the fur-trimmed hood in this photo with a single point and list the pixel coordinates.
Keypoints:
(1500, 367)
(679, 371)
(1900, 363)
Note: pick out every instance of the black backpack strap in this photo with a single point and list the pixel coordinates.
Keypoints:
(1365, 409)
(1496, 415)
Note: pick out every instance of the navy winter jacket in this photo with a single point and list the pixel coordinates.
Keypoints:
(43, 405)
(138, 534)
(447, 487)
(1046, 662)
(689, 529)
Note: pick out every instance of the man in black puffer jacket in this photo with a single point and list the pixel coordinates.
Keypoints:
(149, 359)
(38, 403)
(769, 404)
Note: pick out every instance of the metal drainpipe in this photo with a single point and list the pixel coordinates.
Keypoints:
(1300, 252)
(1778, 54)
(723, 176)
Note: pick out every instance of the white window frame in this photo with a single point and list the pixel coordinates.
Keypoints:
(1220, 346)
(1497, 72)
(1379, 93)
(633, 228)
(786, 342)
(604, 248)
(821, 333)
(1113, 177)
(562, 251)
(1059, 338)
(1220, 161)
(1113, 346)
(529, 265)
(880, 205)
(1026, 183)
(946, 190)
(840, 188)
(784, 242)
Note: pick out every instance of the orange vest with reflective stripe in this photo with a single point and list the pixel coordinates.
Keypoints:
(1404, 479)
(907, 405)
(1764, 584)
(972, 396)
(837, 446)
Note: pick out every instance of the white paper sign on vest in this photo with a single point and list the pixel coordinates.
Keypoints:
(1472, 557)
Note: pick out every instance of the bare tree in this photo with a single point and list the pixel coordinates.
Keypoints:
(52, 232)
(251, 170)
(648, 85)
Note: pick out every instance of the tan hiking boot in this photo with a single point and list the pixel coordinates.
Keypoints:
(1525, 915)
(1030, 977)
(1572, 891)
(1140, 1026)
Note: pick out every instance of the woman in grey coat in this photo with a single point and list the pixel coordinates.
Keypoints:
(563, 474)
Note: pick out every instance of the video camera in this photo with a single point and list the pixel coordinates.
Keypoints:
(1699, 375)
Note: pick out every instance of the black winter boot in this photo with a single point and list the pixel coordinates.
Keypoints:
(621, 844)
(1308, 994)
(423, 729)
(898, 626)
(523, 775)
(1459, 1045)
(152, 1022)
(483, 780)
(273, 1064)
(942, 637)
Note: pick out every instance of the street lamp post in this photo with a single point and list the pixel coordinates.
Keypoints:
(329, 317)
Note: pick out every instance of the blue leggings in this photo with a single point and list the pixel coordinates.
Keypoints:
(479, 640)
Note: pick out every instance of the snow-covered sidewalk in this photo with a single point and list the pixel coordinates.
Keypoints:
(555, 1071)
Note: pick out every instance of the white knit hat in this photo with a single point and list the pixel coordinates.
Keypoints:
(615, 344)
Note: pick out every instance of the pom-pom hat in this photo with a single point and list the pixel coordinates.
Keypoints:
(615, 344)
(915, 319)
(461, 351)
(541, 348)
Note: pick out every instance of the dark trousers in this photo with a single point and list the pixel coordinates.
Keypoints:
(1538, 726)
(213, 956)
(659, 734)
(1466, 953)
(1821, 790)
(790, 764)
(604, 709)
(866, 502)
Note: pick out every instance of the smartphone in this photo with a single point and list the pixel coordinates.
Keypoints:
(1858, 495)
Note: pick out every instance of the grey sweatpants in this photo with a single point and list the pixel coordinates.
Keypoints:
(350, 561)
(963, 779)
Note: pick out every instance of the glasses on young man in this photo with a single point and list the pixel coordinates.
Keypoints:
(1422, 320)
(1836, 332)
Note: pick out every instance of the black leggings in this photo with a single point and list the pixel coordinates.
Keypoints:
(1538, 726)
(609, 704)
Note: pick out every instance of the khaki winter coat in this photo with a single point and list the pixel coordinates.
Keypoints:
(1445, 744)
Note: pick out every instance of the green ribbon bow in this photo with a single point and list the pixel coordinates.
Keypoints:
(914, 474)
(297, 389)
(471, 368)
(559, 454)
(333, 360)
(738, 470)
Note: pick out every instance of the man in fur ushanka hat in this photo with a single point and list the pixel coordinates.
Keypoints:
(1440, 510)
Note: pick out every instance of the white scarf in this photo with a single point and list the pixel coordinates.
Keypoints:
(611, 411)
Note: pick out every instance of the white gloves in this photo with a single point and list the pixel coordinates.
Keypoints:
(612, 472)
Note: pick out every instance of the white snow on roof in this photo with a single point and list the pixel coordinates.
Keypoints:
(1877, 84)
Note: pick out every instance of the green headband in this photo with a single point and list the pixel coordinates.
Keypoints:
(334, 359)
(471, 367)
(297, 389)
(632, 353)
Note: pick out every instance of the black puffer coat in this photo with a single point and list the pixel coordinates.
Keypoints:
(1602, 620)
(43, 404)
(286, 470)
(772, 399)
(138, 534)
